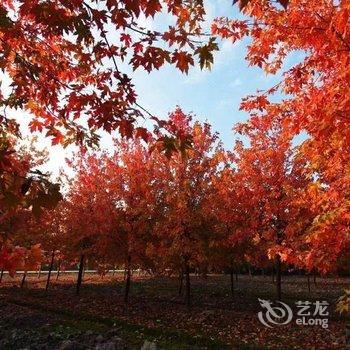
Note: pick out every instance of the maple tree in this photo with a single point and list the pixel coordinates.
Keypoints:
(89, 214)
(51, 234)
(65, 60)
(185, 230)
(271, 178)
(230, 244)
(154, 203)
(134, 186)
(25, 193)
(315, 100)
(118, 186)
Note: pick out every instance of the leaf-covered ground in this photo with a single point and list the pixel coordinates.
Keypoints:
(34, 319)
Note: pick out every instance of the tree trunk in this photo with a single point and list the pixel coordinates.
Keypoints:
(50, 269)
(58, 270)
(236, 276)
(125, 273)
(1, 274)
(278, 277)
(204, 271)
(23, 279)
(127, 282)
(181, 279)
(231, 280)
(273, 274)
(315, 278)
(250, 272)
(80, 273)
(39, 272)
(308, 283)
(188, 284)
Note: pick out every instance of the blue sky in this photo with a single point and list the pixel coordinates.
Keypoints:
(212, 96)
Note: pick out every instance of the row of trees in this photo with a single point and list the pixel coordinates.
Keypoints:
(275, 202)
(204, 208)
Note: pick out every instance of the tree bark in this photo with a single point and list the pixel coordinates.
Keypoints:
(23, 279)
(80, 273)
(39, 272)
(58, 270)
(50, 270)
(273, 274)
(128, 280)
(1, 274)
(124, 276)
(278, 277)
(315, 278)
(231, 280)
(188, 284)
(181, 279)
(308, 283)
(204, 271)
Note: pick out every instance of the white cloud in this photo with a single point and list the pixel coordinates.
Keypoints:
(235, 83)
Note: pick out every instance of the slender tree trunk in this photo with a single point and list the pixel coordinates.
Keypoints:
(315, 278)
(250, 272)
(308, 283)
(204, 271)
(80, 273)
(84, 269)
(181, 279)
(263, 272)
(188, 284)
(50, 270)
(127, 282)
(24, 279)
(236, 275)
(39, 271)
(278, 277)
(1, 274)
(231, 280)
(273, 274)
(58, 270)
(125, 274)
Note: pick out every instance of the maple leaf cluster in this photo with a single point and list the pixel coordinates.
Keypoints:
(25, 194)
(65, 60)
